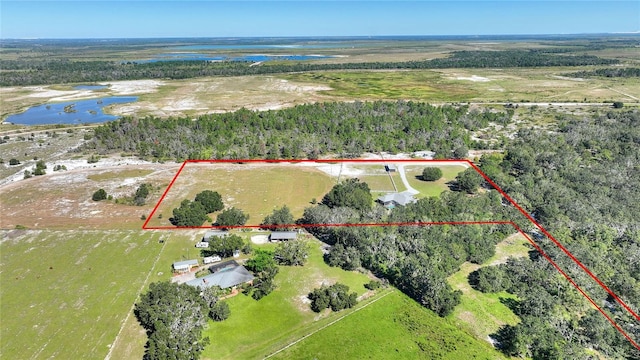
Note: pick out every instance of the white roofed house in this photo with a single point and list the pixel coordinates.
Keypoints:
(184, 266)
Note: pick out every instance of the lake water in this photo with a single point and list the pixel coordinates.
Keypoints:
(90, 87)
(253, 58)
(261, 46)
(78, 112)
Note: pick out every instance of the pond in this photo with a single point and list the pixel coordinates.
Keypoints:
(74, 112)
(90, 87)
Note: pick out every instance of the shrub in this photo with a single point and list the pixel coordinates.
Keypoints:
(372, 285)
(431, 174)
(99, 195)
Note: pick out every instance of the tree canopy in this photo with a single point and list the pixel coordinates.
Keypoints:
(174, 316)
(431, 173)
(223, 246)
(469, 180)
(278, 218)
(350, 193)
(336, 297)
(292, 253)
(232, 217)
(189, 214)
(210, 200)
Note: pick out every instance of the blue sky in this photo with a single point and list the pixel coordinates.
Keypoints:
(125, 19)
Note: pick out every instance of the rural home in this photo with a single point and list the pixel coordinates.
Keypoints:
(283, 235)
(184, 266)
(394, 199)
(211, 233)
(227, 277)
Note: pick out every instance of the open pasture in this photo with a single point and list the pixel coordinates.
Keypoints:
(255, 189)
(395, 327)
(65, 294)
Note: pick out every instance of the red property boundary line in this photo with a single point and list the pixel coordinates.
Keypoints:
(410, 161)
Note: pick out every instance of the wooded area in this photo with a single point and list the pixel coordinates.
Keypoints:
(305, 131)
(40, 72)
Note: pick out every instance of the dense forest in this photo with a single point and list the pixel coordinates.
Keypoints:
(40, 72)
(608, 72)
(304, 131)
(582, 183)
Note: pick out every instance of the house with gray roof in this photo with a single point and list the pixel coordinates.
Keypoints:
(184, 266)
(395, 199)
(214, 233)
(283, 235)
(225, 278)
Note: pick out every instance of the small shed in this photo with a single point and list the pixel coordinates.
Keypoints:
(211, 259)
(390, 168)
(283, 235)
(184, 266)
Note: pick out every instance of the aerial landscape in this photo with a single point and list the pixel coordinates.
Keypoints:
(320, 180)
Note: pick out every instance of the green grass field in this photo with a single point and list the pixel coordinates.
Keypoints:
(422, 85)
(258, 328)
(257, 190)
(432, 188)
(483, 314)
(65, 294)
(395, 327)
(545, 84)
(378, 182)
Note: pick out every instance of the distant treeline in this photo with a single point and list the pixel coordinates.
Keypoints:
(39, 72)
(610, 72)
(304, 131)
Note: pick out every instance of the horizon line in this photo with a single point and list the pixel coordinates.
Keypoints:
(362, 37)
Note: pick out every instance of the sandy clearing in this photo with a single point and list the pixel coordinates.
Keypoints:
(130, 87)
(107, 163)
(286, 86)
(474, 78)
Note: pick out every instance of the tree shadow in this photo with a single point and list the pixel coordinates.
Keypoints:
(512, 304)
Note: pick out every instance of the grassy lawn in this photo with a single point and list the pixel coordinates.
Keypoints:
(257, 190)
(378, 182)
(65, 294)
(483, 314)
(432, 188)
(395, 327)
(258, 328)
